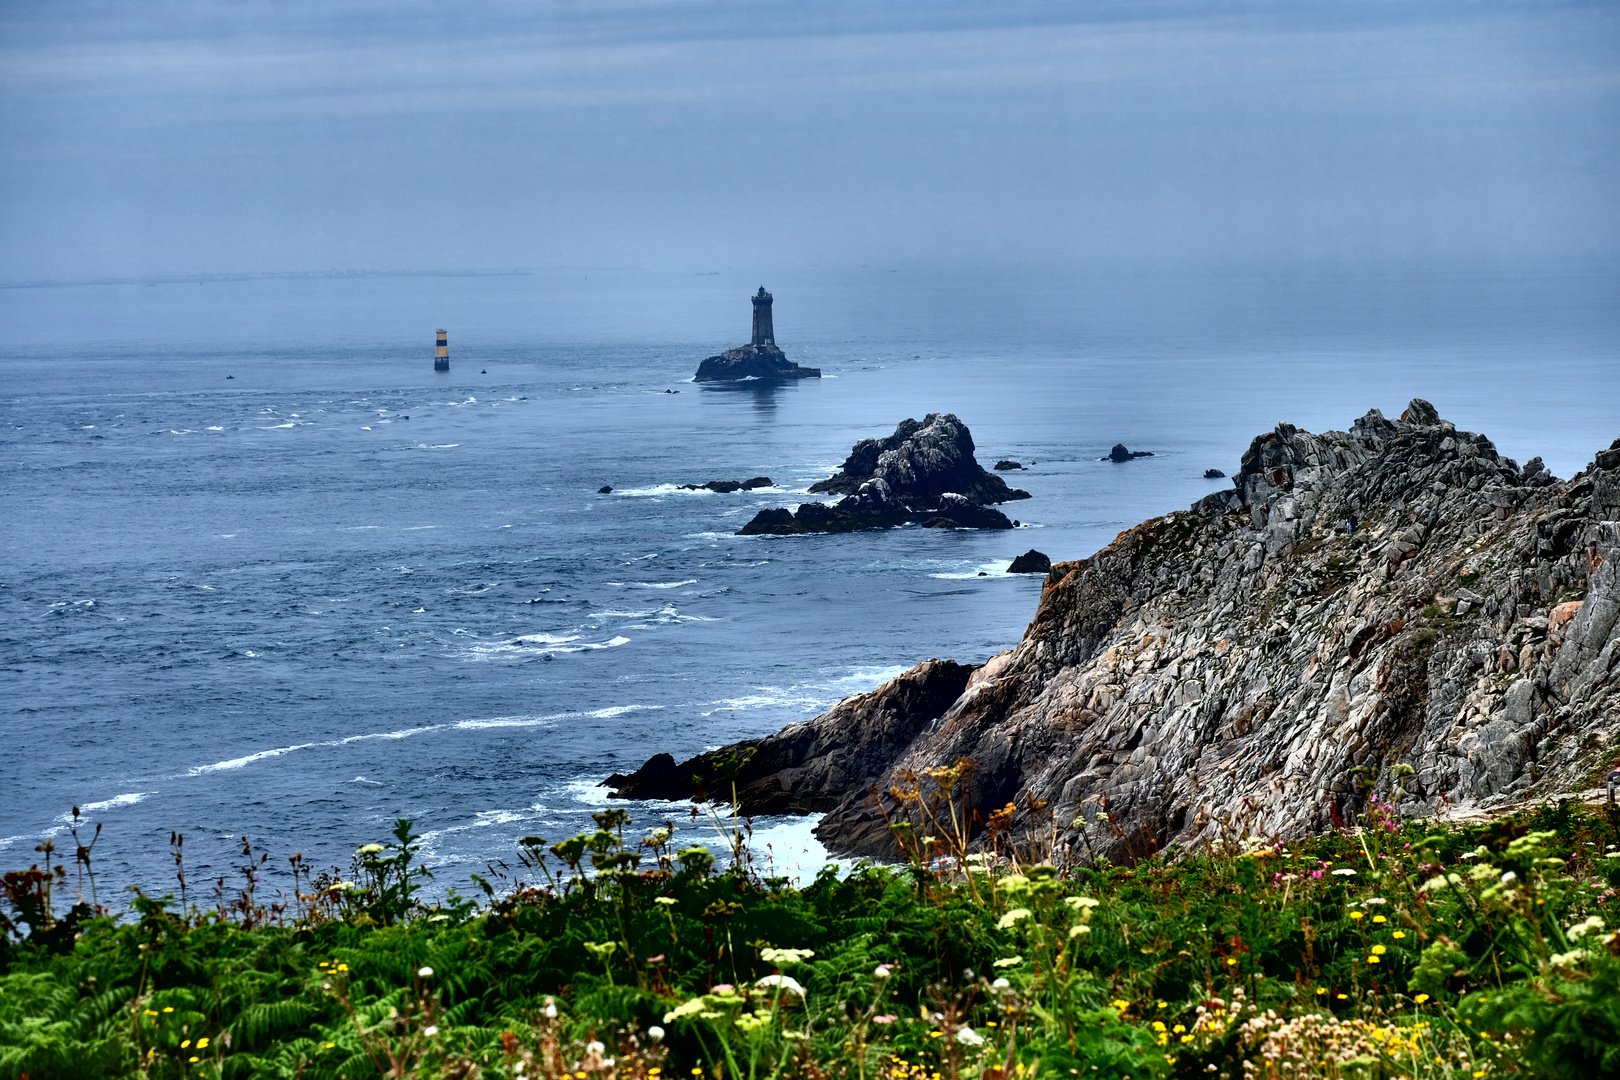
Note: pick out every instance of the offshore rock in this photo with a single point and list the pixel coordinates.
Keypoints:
(752, 362)
(1006, 466)
(1030, 562)
(808, 767)
(924, 473)
(1119, 453)
(1253, 666)
(726, 487)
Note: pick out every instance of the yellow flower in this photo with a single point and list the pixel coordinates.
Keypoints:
(1186, 1038)
(193, 1059)
(327, 1046)
(1357, 915)
(1120, 1003)
(1421, 998)
(1179, 1028)
(1158, 1025)
(202, 1043)
(343, 967)
(1372, 959)
(1397, 935)
(1341, 997)
(1163, 1004)
(1379, 950)
(185, 1043)
(1379, 918)
(1321, 989)
(168, 1008)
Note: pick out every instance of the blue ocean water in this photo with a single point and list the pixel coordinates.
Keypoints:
(267, 575)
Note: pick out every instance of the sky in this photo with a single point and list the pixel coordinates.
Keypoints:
(169, 139)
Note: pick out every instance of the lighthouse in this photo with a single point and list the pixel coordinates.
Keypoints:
(441, 352)
(763, 334)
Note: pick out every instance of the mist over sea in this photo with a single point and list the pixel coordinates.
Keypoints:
(244, 595)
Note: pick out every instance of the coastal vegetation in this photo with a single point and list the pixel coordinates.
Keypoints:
(1386, 947)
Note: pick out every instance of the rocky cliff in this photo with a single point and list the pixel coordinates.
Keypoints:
(925, 473)
(1260, 660)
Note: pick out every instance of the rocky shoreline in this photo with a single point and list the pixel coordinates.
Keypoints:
(1396, 610)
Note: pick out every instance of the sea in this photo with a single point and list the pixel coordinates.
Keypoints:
(268, 579)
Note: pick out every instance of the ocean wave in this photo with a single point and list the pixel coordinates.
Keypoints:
(764, 701)
(997, 569)
(871, 677)
(653, 584)
(113, 803)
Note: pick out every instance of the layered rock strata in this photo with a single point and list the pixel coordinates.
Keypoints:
(924, 473)
(1255, 665)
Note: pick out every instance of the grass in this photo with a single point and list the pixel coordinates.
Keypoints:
(1395, 948)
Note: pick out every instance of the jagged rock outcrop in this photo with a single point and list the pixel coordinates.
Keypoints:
(1254, 664)
(1120, 453)
(809, 767)
(726, 487)
(1031, 562)
(752, 362)
(925, 473)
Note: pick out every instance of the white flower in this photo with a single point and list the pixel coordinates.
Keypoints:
(1010, 918)
(1344, 871)
(431, 1030)
(550, 1011)
(1581, 929)
(1009, 961)
(786, 982)
(968, 1037)
(425, 972)
(667, 901)
(1076, 931)
(1078, 902)
(1000, 984)
(594, 1048)
(690, 1008)
(785, 956)
(655, 1033)
(370, 849)
(881, 971)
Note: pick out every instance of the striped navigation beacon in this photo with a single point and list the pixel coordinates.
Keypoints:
(441, 353)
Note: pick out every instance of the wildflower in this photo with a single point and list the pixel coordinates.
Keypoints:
(1012, 917)
(550, 1011)
(370, 849)
(1344, 871)
(1358, 915)
(327, 1046)
(1078, 929)
(1581, 929)
(1179, 1028)
(1372, 958)
(1379, 918)
(785, 956)
(1078, 902)
(594, 1047)
(343, 967)
(193, 1059)
(968, 1037)
(1232, 961)
(886, 1018)
(168, 1008)
(425, 972)
(722, 988)
(655, 1033)
(1321, 989)
(1379, 950)
(659, 959)
(1397, 935)
(431, 1030)
(1421, 998)
(1120, 1003)
(786, 982)
(185, 1043)
(1000, 984)
(202, 1043)
(1009, 961)
(688, 1008)
(667, 901)
(881, 971)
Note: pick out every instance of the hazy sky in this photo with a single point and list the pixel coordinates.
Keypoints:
(159, 138)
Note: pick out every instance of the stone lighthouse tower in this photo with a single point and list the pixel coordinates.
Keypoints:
(763, 334)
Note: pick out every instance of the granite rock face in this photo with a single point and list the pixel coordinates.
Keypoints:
(809, 767)
(924, 473)
(1252, 664)
(752, 362)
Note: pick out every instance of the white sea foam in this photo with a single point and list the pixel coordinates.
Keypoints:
(653, 584)
(764, 701)
(109, 804)
(870, 676)
(248, 759)
(997, 569)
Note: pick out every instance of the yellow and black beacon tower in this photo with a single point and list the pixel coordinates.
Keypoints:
(441, 353)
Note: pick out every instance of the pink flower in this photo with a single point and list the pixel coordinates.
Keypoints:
(722, 988)
(886, 1018)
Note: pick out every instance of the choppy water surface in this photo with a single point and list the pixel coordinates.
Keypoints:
(336, 589)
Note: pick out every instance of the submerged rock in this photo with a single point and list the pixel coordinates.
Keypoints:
(1250, 657)
(1030, 562)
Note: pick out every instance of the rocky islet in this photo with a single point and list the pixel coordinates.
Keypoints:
(925, 474)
